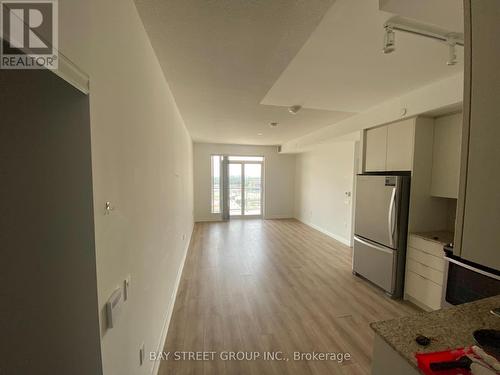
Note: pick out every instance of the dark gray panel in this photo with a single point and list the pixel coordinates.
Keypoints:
(49, 311)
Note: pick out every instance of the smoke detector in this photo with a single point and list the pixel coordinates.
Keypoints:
(294, 109)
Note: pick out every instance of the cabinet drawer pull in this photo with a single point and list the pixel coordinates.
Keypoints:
(423, 264)
(425, 278)
(429, 253)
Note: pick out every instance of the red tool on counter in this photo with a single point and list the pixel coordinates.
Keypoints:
(424, 361)
(458, 362)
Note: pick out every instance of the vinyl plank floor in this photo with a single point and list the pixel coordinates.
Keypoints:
(273, 286)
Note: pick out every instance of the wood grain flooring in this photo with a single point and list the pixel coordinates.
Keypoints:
(272, 286)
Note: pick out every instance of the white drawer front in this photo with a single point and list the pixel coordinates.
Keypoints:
(427, 259)
(423, 290)
(425, 271)
(430, 247)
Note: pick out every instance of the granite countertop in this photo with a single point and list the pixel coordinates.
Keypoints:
(441, 236)
(449, 328)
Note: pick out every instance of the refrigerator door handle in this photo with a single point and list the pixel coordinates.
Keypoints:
(373, 245)
(390, 218)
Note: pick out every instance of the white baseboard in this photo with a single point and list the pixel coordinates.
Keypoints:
(166, 323)
(336, 237)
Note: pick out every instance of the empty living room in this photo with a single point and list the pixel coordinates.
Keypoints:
(232, 187)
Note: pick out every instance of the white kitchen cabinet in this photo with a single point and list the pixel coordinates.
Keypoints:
(400, 140)
(478, 210)
(376, 149)
(446, 156)
(424, 272)
(390, 147)
(424, 292)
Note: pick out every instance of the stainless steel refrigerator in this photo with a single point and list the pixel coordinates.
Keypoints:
(380, 230)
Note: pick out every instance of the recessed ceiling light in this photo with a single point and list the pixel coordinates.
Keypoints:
(273, 124)
(259, 133)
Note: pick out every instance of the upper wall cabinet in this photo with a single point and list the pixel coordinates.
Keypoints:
(446, 156)
(400, 140)
(477, 236)
(390, 147)
(376, 149)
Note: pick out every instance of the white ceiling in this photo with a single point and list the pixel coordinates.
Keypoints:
(342, 67)
(222, 56)
(236, 65)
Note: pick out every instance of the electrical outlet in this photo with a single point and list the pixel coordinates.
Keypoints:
(126, 287)
(142, 352)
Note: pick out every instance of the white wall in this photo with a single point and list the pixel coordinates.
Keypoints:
(279, 174)
(323, 175)
(142, 163)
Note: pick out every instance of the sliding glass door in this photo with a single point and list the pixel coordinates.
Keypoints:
(252, 189)
(245, 186)
(235, 189)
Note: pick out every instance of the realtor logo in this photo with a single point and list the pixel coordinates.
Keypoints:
(29, 34)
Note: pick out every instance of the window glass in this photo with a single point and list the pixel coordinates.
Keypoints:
(216, 177)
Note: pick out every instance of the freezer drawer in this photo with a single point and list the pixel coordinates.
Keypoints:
(376, 263)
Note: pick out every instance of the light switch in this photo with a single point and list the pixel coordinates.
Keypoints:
(114, 307)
